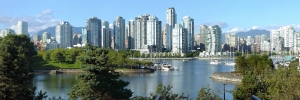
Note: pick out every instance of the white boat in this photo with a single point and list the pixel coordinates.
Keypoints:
(166, 67)
(230, 63)
(214, 61)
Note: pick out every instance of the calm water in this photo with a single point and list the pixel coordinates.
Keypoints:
(190, 77)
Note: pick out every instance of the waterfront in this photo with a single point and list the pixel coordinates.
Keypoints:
(190, 77)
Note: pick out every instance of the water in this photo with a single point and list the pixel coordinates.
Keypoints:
(190, 77)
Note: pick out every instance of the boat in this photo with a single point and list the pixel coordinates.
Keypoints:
(166, 67)
(184, 60)
(214, 61)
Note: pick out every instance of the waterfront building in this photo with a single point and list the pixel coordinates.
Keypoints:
(45, 37)
(105, 35)
(274, 36)
(93, 27)
(164, 32)
(154, 36)
(84, 37)
(288, 33)
(132, 34)
(249, 43)
(126, 36)
(213, 40)
(188, 24)
(64, 34)
(296, 42)
(179, 45)
(6, 31)
(75, 39)
(278, 45)
(232, 40)
(141, 32)
(119, 33)
(203, 31)
(22, 28)
(171, 20)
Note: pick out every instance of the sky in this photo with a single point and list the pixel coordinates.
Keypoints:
(230, 15)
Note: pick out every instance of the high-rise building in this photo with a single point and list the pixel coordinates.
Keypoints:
(36, 37)
(84, 37)
(171, 20)
(179, 45)
(119, 33)
(288, 33)
(4, 32)
(93, 27)
(154, 36)
(64, 34)
(75, 39)
(274, 35)
(141, 32)
(22, 28)
(188, 23)
(213, 40)
(203, 32)
(126, 36)
(232, 40)
(257, 41)
(45, 37)
(105, 35)
(132, 34)
(164, 32)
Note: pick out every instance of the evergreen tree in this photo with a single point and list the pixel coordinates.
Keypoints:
(99, 82)
(15, 72)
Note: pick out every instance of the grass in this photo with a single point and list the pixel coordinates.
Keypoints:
(39, 63)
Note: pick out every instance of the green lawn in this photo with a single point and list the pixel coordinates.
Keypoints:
(39, 63)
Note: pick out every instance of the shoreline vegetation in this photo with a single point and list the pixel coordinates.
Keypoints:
(77, 71)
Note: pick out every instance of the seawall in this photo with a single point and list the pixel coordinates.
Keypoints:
(76, 71)
(227, 76)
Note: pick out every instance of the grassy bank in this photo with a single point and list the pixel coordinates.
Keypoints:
(39, 63)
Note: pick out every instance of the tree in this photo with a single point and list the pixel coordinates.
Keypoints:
(206, 93)
(15, 72)
(163, 93)
(100, 81)
(57, 56)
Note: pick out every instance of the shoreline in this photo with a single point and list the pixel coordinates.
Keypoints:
(227, 76)
(77, 71)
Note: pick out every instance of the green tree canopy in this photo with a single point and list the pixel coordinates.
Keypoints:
(15, 72)
(99, 82)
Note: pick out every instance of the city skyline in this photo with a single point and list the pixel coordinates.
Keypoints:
(229, 15)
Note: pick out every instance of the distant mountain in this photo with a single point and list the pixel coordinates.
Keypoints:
(51, 30)
(251, 32)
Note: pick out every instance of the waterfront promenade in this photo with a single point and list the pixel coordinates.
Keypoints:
(189, 58)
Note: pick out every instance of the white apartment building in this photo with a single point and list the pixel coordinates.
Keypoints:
(171, 20)
(64, 34)
(22, 28)
(179, 40)
(45, 37)
(231, 39)
(213, 40)
(154, 36)
(105, 35)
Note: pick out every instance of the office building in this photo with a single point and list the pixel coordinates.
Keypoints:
(132, 34)
(105, 35)
(213, 40)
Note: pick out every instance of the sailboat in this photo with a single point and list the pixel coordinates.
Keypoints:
(214, 61)
(230, 62)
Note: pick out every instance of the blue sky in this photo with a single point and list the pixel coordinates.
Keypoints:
(231, 15)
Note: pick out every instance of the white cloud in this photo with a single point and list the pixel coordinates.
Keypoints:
(220, 24)
(237, 29)
(36, 23)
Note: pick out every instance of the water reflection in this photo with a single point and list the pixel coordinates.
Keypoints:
(190, 77)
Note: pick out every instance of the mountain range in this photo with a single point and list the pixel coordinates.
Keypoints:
(51, 30)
